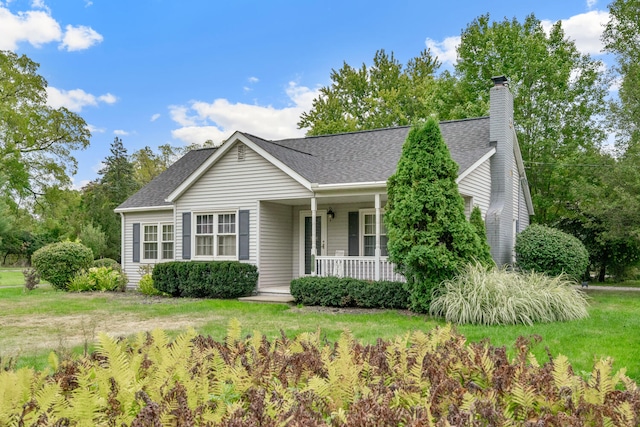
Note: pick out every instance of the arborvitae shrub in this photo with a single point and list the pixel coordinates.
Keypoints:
(551, 251)
(210, 279)
(348, 292)
(429, 235)
(58, 263)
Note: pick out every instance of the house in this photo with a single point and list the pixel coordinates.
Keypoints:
(315, 205)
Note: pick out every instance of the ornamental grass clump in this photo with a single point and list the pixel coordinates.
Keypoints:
(482, 296)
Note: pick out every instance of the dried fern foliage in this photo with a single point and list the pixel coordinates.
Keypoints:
(420, 379)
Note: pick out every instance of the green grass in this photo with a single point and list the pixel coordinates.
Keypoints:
(11, 277)
(34, 323)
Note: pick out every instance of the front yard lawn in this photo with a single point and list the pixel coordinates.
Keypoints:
(32, 324)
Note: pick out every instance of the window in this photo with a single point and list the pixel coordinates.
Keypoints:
(368, 233)
(216, 235)
(167, 241)
(150, 242)
(158, 240)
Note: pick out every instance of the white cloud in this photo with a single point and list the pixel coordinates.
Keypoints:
(219, 119)
(34, 27)
(98, 167)
(79, 185)
(591, 3)
(75, 99)
(108, 98)
(80, 38)
(120, 132)
(253, 80)
(94, 129)
(445, 50)
(585, 29)
(88, 3)
(155, 117)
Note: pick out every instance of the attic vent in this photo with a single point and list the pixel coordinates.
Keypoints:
(241, 152)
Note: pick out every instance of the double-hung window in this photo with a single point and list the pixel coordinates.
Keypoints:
(157, 241)
(150, 242)
(368, 233)
(215, 235)
(167, 241)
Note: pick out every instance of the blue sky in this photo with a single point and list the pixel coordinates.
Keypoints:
(166, 71)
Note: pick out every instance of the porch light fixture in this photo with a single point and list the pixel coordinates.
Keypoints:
(331, 214)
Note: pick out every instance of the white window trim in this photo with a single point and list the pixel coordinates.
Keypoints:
(159, 241)
(361, 235)
(215, 256)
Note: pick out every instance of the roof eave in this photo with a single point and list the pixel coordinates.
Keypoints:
(144, 209)
(474, 166)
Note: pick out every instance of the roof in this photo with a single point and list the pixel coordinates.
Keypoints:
(154, 194)
(371, 156)
(365, 156)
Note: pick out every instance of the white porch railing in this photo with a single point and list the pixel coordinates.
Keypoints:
(357, 267)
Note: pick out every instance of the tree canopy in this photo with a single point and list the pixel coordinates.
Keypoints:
(383, 95)
(36, 140)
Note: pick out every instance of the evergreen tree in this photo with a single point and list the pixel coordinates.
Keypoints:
(478, 225)
(430, 238)
(101, 197)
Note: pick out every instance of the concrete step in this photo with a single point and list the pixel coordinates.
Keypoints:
(261, 297)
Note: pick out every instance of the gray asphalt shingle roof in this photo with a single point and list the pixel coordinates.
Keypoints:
(369, 156)
(365, 156)
(155, 192)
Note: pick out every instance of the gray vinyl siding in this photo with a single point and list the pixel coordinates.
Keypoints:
(132, 269)
(522, 213)
(478, 186)
(233, 184)
(276, 235)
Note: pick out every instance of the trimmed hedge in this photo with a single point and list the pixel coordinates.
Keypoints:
(211, 279)
(551, 251)
(58, 263)
(348, 292)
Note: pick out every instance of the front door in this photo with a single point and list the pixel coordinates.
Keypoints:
(305, 239)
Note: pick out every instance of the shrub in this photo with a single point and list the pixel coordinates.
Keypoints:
(146, 286)
(31, 278)
(212, 279)
(107, 262)
(551, 251)
(499, 297)
(429, 235)
(98, 279)
(93, 238)
(58, 263)
(347, 292)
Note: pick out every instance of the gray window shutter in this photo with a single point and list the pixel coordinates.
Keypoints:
(136, 242)
(186, 235)
(243, 234)
(354, 233)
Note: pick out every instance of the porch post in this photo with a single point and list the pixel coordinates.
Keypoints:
(314, 250)
(378, 229)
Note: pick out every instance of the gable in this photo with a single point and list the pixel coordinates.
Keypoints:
(240, 176)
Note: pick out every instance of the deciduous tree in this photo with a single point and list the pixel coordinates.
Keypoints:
(559, 96)
(382, 95)
(36, 140)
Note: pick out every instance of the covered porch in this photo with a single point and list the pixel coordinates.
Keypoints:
(339, 234)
